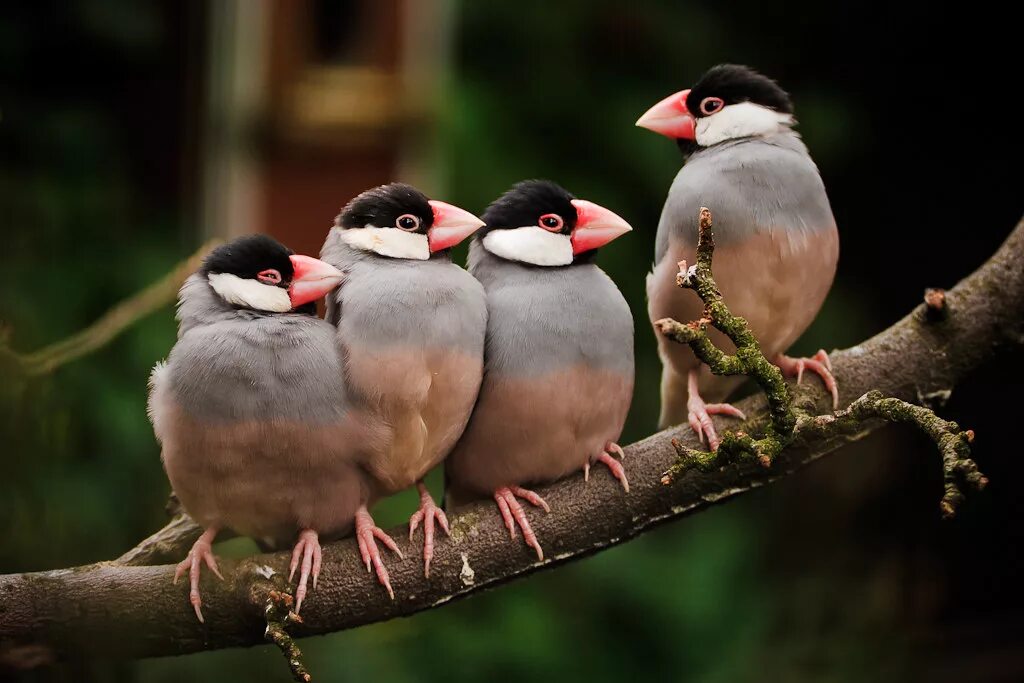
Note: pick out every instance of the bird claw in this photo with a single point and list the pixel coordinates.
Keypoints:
(617, 470)
(512, 513)
(367, 535)
(700, 413)
(307, 549)
(820, 364)
(201, 553)
(700, 419)
(428, 513)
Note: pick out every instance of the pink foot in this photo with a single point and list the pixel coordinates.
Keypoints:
(611, 463)
(202, 552)
(307, 549)
(700, 413)
(819, 364)
(512, 513)
(367, 535)
(428, 514)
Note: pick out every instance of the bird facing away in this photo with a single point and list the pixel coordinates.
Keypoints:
(776, 240)
(558, 374)
(257, 436)
(410, 326)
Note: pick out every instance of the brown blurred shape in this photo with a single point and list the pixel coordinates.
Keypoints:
(309, 102)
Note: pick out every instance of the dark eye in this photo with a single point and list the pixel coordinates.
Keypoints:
(408, 222)
(711, 105)
(551, 221)
(269, 276)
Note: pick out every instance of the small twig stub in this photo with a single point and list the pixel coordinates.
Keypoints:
(279, 615)
(935, 304)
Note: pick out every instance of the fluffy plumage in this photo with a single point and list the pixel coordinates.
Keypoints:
(558, 369)
(530, 244)
(777, 243)
(558, 379)
(412, 335)
(258, 431)
(248, 293)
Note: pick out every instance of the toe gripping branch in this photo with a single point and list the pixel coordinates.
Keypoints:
(788, 423)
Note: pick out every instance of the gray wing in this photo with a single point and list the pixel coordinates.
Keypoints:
(542, 318)
(412, 335)
(558, 380)
(257, 431)
(751, 186)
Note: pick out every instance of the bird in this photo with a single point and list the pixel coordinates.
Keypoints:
(558, 364)
(777, 245)
(410, 325)
(256, 437)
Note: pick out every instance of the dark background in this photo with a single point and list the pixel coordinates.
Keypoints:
(844, 572)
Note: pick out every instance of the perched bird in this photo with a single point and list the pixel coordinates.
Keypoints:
(257, 431)
(410, 326)
(776, 240)
(558, 374)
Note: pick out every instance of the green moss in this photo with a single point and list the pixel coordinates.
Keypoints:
(788, 423)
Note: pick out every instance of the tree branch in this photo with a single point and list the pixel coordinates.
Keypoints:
(110, 609)
(112, 323)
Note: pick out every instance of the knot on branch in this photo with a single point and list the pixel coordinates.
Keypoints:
(935, 304)
(789, 422)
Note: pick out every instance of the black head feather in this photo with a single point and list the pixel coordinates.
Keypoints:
(246, 256)
(382, 206)
(734, 83)
(526, 203)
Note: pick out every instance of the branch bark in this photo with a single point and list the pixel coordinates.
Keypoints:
(113, 609)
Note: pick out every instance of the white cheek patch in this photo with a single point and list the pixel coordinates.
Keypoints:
(253, 294)
(531, 244)
(741, 120)
(390, 242)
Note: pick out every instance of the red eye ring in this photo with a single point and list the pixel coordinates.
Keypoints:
(551, 222)
(410, 226)
(711, 105)
(270, 276)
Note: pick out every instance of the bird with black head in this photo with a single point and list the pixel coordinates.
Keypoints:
(558, 374)
(410, 325)
(776, 240)
(257, 431)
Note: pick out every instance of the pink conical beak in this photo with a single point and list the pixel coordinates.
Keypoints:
(595, 226)
(312, 279)
(670, 118)
(451, 226)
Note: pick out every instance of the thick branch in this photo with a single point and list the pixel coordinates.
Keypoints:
(165, 545)
(110, 609)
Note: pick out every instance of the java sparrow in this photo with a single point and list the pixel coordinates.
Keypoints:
(410, 325)
(776, 240)
(258, 432)
(558, 376)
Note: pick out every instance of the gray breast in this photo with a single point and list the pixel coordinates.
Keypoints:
(552, 318)
(233, 364)
(387, 302)
(753, 185)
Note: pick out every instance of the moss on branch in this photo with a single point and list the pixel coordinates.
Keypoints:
(278, 614)
(788, 422)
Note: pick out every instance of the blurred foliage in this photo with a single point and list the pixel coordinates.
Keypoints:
(841, 574)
